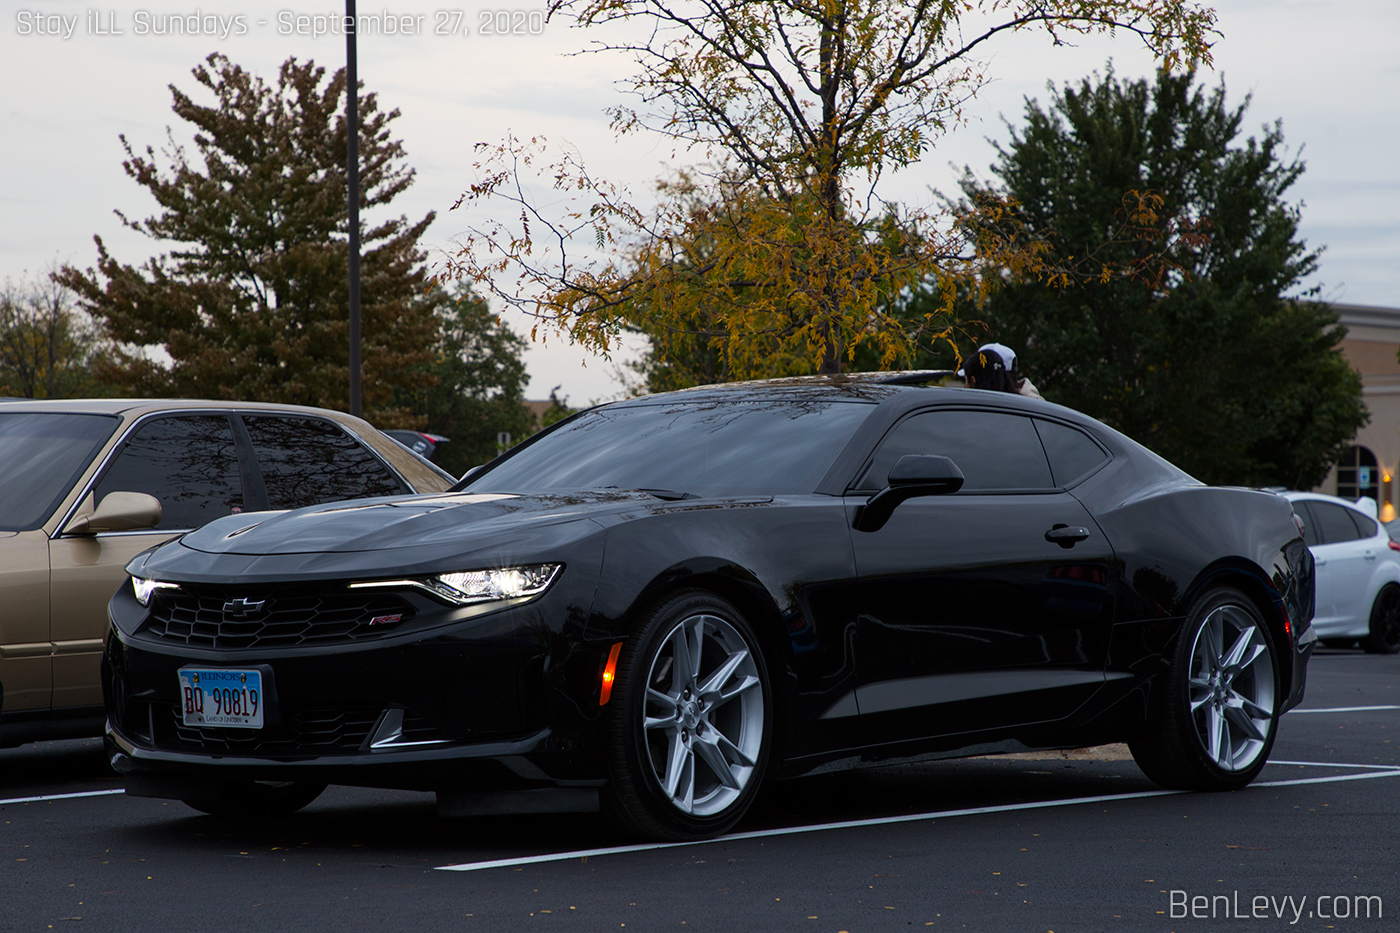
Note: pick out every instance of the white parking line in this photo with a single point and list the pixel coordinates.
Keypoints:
(1343, 709)
(882, 821)
(1329, 780)
(1332, 764)
(86, 793)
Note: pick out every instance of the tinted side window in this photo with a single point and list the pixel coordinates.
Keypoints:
(188, 462)
(1071, 452)
(1334, 524)
(1364, 526)
(994, 450)
(307, 461)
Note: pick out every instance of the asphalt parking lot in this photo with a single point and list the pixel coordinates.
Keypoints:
(1027, 843)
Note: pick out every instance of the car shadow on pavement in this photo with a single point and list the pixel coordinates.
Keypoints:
(400, 827)
(63, 767)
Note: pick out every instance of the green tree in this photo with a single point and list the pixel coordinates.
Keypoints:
(48, 348)
(1210, 364)
(252, 300)
(797, 109)
(480, 383)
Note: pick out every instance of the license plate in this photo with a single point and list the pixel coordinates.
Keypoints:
(222, 697)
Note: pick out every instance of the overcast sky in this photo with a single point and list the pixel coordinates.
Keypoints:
(1330, 71)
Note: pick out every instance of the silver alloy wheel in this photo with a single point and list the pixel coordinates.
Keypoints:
(1231, 688)
(703, 716)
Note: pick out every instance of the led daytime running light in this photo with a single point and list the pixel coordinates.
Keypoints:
(145, 589)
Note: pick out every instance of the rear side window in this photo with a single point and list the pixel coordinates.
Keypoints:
(1072, 454)
(1331, 523)
(307, 461)
(994, 450)
(188, 462)
(1364, 526)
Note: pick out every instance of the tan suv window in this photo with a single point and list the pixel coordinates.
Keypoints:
(307, 461)
(188, 462)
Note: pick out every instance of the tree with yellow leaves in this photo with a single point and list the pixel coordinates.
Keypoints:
(781, 243)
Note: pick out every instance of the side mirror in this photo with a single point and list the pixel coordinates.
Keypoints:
(913, 475)
(118, 511)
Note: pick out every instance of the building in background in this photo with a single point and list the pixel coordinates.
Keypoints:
(1368, 468)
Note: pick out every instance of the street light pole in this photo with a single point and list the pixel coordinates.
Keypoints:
(352, 162)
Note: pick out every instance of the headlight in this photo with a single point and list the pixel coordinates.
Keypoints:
(479, 586)
(145, 588)
(471, 587)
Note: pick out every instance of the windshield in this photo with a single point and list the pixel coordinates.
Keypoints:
(41, 456)
(684, 449)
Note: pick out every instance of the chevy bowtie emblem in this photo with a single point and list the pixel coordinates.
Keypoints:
(243, 608)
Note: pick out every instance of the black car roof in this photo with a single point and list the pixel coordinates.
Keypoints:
(911, 388)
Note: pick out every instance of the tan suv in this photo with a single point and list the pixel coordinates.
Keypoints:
(86, 485)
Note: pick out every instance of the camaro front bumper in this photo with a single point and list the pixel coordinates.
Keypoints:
(491, 702)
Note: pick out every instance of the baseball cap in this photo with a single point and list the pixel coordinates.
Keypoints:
(1002, 351)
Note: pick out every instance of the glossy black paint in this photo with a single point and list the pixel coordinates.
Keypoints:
(968, 622)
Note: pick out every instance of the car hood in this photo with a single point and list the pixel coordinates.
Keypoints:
(459, 519)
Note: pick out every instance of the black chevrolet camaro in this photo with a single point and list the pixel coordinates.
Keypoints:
(659, 604)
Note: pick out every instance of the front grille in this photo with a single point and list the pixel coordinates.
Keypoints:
(301, 731)
(281, 616)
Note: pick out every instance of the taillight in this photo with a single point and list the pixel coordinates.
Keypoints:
(1394, 545)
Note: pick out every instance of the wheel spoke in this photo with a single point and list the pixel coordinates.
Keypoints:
(710, 689)
(1235, 661)
(1224, 751)
(1230, 673)
(1251, 708)
(687, 800)
(1241, 720)
(1213, 633)
(659, 722)
(662, 699)
(708, 751)
(681, 673)
(731, 751)
(676, 765)
(737, 688)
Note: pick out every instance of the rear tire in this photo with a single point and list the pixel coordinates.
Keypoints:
(690, 720)
(1218, 713)
(1384, 637)
(259, 799)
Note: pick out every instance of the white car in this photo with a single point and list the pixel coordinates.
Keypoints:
(1358, 571)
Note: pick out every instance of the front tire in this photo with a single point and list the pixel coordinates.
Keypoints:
(690, 720)
(1217, 719)
(1384, 636)
(253, 799)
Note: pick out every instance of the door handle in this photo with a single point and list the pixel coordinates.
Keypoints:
(1067, 536)
(1370, 555)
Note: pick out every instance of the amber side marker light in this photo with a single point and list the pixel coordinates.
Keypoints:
(609, 674)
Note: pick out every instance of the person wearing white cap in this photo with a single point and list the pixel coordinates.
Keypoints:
(993, 367)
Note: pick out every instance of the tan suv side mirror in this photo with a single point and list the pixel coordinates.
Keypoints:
(118, 511)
